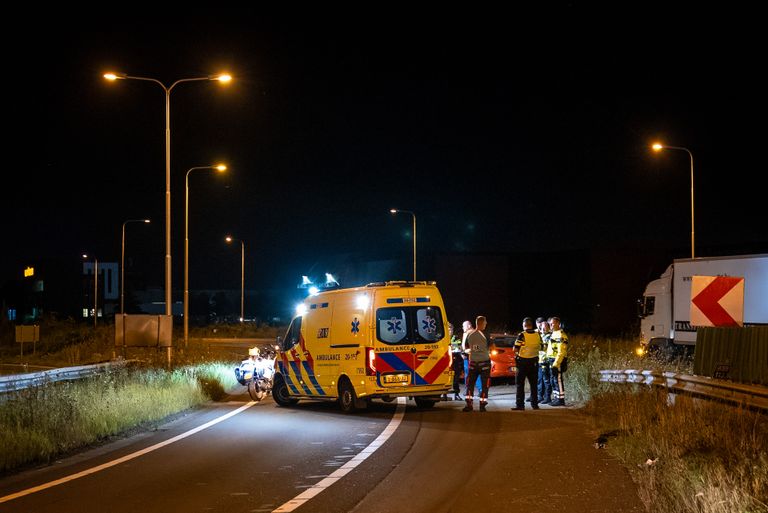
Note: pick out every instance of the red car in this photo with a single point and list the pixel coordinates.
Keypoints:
(503, 356)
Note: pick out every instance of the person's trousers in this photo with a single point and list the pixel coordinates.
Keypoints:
(458, 373)
(545, 382)
(466, 373)
(527, 368)
(483, 371)
(558, 381)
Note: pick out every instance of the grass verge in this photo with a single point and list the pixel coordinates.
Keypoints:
(685, 455)
(39, 423)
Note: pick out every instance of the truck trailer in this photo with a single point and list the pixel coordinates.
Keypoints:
(665, 309)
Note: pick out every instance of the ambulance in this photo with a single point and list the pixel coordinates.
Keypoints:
(381, 341)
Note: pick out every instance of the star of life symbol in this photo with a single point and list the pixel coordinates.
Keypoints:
(428, 325)
(394, 325)
(355, 325)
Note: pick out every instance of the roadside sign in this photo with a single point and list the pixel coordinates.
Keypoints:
(27, 334)
(717, 301)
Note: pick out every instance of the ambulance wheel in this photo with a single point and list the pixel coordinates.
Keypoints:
(424, 403)
(347, 397)
(387, 399)
(280, 393)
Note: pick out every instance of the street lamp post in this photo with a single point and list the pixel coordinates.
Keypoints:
(658, 147)
(398, 211)
(95, 288)
(224, 78)
(122, 263)
(220, 168)
(229, 239)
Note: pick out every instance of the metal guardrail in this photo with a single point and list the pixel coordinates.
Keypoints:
(753, 396)
(16, 382)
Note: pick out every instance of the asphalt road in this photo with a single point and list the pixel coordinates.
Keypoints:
(258, 460)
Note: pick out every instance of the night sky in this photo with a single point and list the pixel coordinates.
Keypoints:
(504, 131)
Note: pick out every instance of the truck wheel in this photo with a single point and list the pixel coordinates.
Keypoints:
(280, 393)
(424, 403)
(347, 397)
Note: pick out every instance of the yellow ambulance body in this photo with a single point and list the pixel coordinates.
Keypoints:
(384, 340)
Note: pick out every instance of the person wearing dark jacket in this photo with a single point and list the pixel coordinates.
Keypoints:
(457, 364)
(527, 347)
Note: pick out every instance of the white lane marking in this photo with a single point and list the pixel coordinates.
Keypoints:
(321, 485)
(125, 458)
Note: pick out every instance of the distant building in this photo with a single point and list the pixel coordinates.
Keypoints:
(108, 292)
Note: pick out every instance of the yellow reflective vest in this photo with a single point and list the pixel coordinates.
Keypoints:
(558, 347)
(528, 344)
(544, 345)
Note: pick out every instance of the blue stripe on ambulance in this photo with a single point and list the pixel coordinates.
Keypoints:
(312, 378)
(393, 361)
(287, 377)
(418, 380)
(297, 371)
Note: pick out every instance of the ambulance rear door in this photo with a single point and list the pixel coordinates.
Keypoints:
(407, 343)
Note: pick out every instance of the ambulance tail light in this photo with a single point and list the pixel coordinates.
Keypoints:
(370, 361)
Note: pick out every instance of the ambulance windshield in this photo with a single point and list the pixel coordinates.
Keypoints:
(409, 325)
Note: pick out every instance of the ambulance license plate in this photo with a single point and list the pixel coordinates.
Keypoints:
(397, 378)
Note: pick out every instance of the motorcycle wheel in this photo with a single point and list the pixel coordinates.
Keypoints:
(254, 391)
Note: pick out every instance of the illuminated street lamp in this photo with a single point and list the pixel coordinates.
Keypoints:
(122, 263)
(220, 168)
(95, 288)
(229, 239)
(397, 211)
(657, 147)
(223, 78)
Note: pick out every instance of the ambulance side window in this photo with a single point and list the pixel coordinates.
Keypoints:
(292, 335)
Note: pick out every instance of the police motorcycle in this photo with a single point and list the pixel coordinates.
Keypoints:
(256, 373)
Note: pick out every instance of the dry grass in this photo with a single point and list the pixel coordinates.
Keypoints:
(588, 355)
(685, 455)
(39, 423)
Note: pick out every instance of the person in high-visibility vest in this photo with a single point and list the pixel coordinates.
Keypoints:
(545, 374)
(557, 355)
(527, 348)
